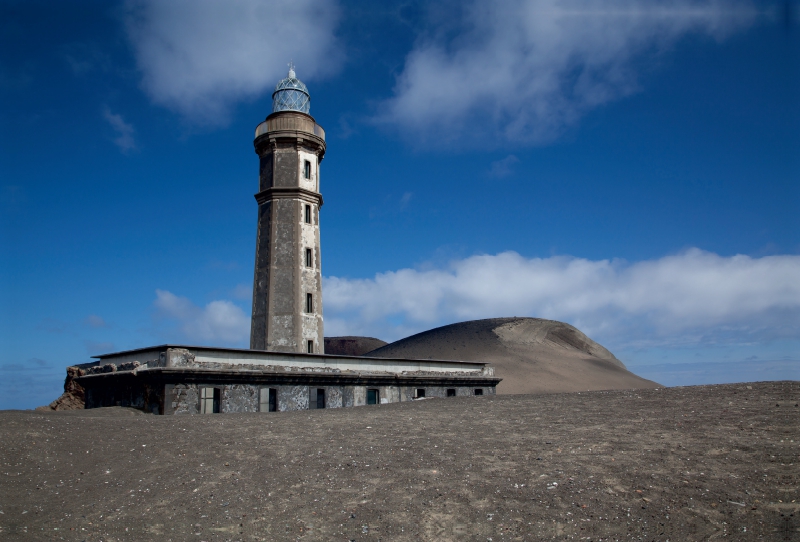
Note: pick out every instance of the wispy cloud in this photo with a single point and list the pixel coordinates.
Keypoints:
(94, 348)
(125, 131)
(243, 292)
(695, 297)
(199, 57)
(405, 199)
(217, 321)
(523, 72)
(95, 321)
(503, 168)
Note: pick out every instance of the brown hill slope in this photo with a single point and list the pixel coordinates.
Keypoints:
(531, 355)
(351, 346)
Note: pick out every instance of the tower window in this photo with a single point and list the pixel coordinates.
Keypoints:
(310, 347)
(309, 262)
(309, 303)
(307, 169)
(308, 214)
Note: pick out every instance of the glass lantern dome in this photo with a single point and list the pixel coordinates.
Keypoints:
(291, 95)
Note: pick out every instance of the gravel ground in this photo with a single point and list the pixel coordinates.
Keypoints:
(689, 463)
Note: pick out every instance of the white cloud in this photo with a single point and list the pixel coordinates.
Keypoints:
(695, 297)
(523, 70)
(217, 321)
(199, 57)
(125, 131)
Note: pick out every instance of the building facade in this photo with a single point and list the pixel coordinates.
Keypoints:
(176, 379)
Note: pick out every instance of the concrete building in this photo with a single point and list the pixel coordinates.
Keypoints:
(173, 379)
(285, 367)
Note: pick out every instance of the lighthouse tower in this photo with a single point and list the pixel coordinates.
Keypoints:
(287, 288)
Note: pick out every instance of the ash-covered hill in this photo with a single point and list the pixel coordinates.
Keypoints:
(351, 346)
(531, 355)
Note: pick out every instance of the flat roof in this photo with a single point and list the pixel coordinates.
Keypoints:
(278, 354)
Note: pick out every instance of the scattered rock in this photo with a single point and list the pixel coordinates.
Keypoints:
(74, 395)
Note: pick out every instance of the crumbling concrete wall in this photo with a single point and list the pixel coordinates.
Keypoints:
(359, 395)
(389, 394)
(334, 396)
(239, 398)
(184, 399)
(292, 397)
(409, 393)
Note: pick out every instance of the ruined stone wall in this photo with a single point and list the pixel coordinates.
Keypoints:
(239, 398)
(185, 398)
(409, 393)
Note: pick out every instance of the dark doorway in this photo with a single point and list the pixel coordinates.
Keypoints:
(273, 400)
(451, 392)
(320, 398)
(217, 396)
(372, 397)
(478, 391)
(420, 393)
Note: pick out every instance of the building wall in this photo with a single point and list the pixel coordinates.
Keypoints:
(185, 398)
(244, 359)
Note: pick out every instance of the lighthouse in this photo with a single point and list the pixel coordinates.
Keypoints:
(287, 284)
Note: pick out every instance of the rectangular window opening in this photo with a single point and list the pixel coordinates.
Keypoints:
(478, 391)
(268, 401)
(420, 393)
(309, 258)
(310, 347)
(373, 397)
(451, 392)
(307, 169)
(320, 397)
(309, 303)
(308, 214)
(210, 400)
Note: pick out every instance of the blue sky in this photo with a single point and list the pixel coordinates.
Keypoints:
(627, 167)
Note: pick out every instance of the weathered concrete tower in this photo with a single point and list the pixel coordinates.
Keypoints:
(287, 289)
